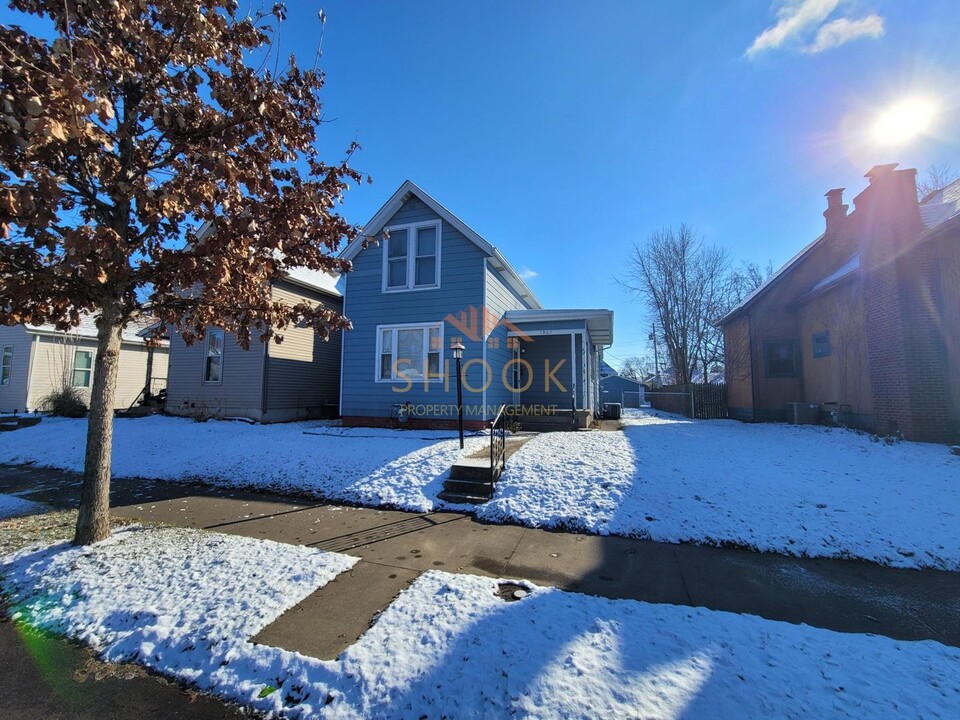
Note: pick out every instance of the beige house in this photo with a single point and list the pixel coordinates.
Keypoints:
(36, 360)
(295, 380)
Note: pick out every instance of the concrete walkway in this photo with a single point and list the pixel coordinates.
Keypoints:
(395, 547)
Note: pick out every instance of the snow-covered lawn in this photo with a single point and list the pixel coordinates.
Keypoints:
(183, 602)
(12, 506)
(797, 490)
(399, 468)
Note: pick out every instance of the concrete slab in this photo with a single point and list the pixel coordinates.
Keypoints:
(613, 567)
(335, 616)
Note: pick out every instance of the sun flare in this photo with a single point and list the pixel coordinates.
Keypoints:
(904, 121)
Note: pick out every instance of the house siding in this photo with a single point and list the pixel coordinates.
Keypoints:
(367, 306)
(303, 372)
(239, 394)
(617, 389)
(53, 357)
(500, 298)
(13, 396)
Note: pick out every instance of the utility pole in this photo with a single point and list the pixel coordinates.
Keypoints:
(656, 356)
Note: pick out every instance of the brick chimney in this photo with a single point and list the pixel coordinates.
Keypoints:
(836, 212)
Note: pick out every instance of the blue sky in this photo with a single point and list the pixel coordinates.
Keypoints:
(566, 132)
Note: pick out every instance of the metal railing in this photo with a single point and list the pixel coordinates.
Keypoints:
(498, 444)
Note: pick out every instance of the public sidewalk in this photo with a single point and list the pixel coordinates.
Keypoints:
(395, 547)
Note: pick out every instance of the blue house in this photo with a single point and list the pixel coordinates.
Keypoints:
(423, 282)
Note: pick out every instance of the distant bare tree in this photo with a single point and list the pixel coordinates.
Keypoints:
(746, 278)
(637, 368)
(934, 178)
(684, 283)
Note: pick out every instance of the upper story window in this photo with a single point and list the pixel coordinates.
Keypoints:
(82, 368)
(406, 352)
(411, 257)
(213, 356)
(780, 358)
(6, 364)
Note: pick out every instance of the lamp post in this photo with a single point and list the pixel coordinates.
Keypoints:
(457, 347)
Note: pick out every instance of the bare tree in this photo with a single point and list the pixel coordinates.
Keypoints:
(637, 368)
(683, 282)
(935, 178)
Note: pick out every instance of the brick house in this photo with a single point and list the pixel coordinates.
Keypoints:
(864, 321)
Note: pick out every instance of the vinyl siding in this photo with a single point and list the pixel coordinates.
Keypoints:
(461, 288)
(13, 396)
(303, 372)
(500, 298)
(240, 392)
(543, 346)
(53, 358)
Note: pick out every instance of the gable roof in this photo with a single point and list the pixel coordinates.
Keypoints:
(396, 201)
(771, 281)
(936, 208)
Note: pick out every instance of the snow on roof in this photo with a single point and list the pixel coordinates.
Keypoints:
(848, 267)
(315, 279)
(134, 332)
(940, 205)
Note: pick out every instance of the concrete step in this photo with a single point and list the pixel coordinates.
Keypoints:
(461, 498)
(476, 469)
(469, 487)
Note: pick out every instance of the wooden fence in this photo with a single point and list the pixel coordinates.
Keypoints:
(705, 402)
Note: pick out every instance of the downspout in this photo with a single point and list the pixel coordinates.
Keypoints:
(264, 376)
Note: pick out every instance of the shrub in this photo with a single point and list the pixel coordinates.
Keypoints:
(66, 402)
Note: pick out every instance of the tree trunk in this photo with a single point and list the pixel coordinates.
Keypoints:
(93, 522)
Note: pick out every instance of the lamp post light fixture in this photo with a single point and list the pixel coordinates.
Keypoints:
(457, 348)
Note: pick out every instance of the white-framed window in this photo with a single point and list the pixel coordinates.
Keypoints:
(82, 368)
(406, 352)
(6, 364)
(213, 356)
(411, 257)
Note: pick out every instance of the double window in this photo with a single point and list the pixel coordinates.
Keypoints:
(411, 257)
(213, 356)
(406, 352)
(780, 358)
(82, 368)
(6, 364)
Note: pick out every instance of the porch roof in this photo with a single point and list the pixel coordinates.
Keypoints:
(599, 322)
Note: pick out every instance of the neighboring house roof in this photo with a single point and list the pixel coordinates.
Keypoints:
(599, 322)
(606, 369)
(389, 209)
(136, 330)
(940, 205)
(771, 281)
(935, 209)
(315, 279)
(319, 280)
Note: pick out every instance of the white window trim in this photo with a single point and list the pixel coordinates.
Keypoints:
(89, 371)
(426, 327)
(9, 367)
(411, 229)
(206, 354)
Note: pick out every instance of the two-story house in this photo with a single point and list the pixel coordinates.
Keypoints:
(424, 283)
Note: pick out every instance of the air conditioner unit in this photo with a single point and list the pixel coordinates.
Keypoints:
(803, 413)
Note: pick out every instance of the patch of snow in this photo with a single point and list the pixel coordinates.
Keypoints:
(11, 506)
(806, 491)
(369, 466)
(181, 602)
